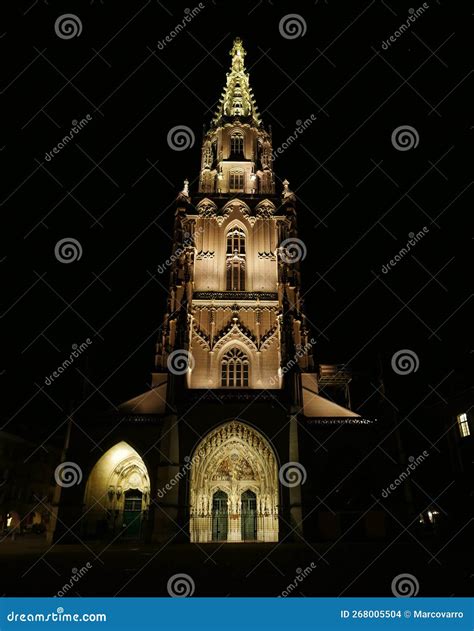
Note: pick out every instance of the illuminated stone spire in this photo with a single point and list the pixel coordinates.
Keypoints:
(237, 149)
(237, 100)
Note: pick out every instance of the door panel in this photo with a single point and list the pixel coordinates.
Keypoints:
(249, 516)
(219, 516)
(132, 514)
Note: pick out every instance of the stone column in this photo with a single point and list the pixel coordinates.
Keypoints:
(296, 516)
(166, 498)
(234, 532)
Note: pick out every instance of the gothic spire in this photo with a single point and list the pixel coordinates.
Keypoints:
(237, 100)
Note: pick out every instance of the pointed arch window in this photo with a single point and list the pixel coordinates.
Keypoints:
(237, 144)
(235, 260)
(236, 181)
(235, 369)
(236, 241)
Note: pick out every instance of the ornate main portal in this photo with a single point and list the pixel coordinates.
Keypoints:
(234, 487)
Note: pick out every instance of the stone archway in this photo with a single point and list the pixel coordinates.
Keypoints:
(117, 487)
(234, 459)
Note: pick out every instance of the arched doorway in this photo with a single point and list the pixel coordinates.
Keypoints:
(237, 462)
(219, 516)
(248, 517)
(117, 494)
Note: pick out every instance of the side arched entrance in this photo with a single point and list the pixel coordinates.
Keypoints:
(117, 494)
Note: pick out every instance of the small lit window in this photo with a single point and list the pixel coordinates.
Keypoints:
(235, 370)
(236, 181)
(463, 425)
(236, 241)
(237, 144)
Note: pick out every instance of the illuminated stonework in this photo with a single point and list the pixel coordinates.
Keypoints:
(234, 344)
(117, 491)
(240, 295)
(232, 460)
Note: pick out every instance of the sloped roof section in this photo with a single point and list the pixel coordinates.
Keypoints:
(150, 402)
(316, 406)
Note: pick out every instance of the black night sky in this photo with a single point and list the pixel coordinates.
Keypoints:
(113, 187)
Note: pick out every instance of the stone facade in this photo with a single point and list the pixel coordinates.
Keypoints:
(201, 454)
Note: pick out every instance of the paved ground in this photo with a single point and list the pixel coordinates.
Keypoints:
(349, 569)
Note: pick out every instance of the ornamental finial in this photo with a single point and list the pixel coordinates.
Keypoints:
(287, 193)
(238, 54)
(184, 194)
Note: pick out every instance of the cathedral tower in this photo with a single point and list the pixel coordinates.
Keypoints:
(219, 447)
(234, 301)
(235, 322)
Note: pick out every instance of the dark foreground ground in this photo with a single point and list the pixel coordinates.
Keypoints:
(29, 568)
